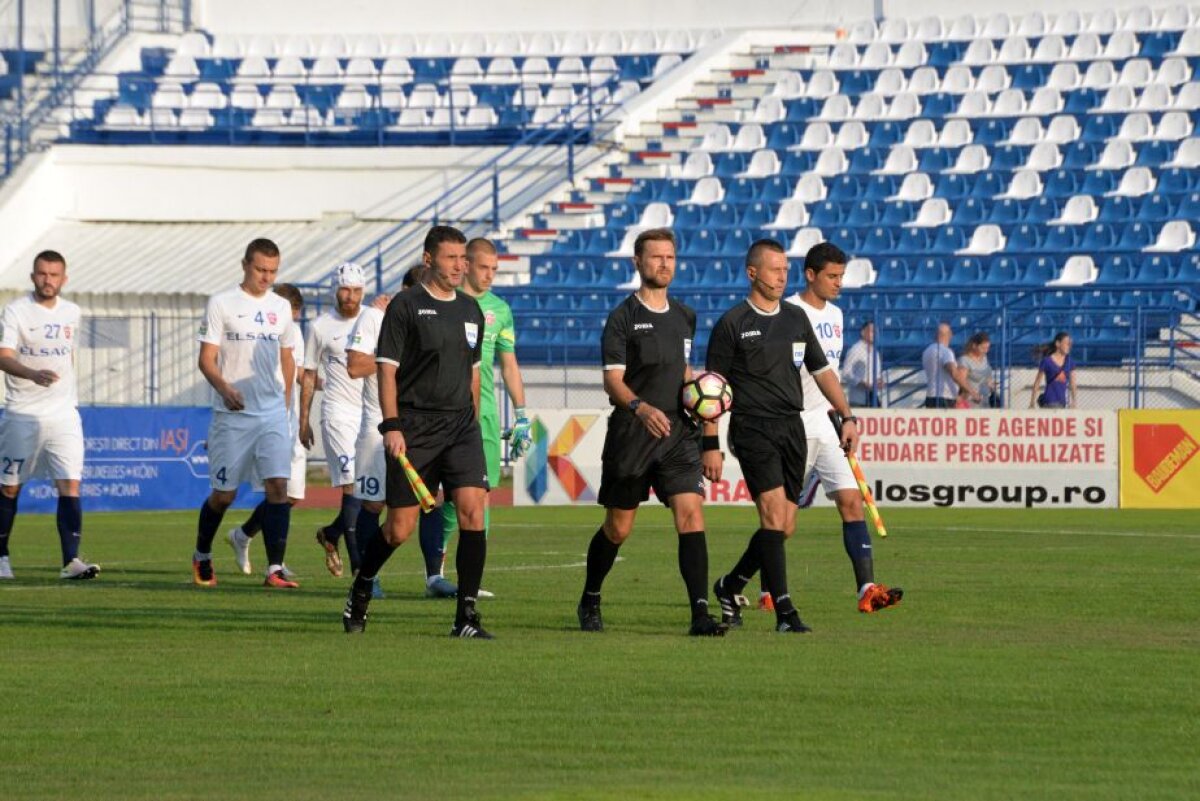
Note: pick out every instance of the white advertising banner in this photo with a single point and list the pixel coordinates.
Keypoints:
(911, 457)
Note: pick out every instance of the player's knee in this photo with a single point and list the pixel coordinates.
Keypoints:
(396, 533)
(617, 529)
(691, 520)
(849, 506)
(372, 507)
(220, 501)
(10, 491)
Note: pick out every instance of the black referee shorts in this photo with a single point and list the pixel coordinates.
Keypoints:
(772, 452)
(633, 462)
(446, 448)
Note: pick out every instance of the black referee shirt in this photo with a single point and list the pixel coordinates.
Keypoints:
(434, 345)
(761, 354)
(652, 347)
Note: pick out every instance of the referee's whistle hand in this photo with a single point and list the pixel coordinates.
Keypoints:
(393, 443)
(654, 420)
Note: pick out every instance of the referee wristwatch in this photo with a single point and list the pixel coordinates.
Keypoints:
(634, 404)
(850, 419)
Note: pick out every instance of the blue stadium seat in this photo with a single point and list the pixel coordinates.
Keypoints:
(599, 241)
(776, 188)
(735, 243)
(1155, 268)
(1176, 180)
(914, 241)
(855, 82)
(1009, 157)
(1097, 237)
(951, 186)
(936, 159)
(1007, 211)
(1079, 155)
(827, 214)
(800, 110)
(1081, 101)
(879, 240)
(756, 215)
(742, 190)
(849, 239)
(989, 184)
(971, 211)
(1155, 208)
(867, 159)
(689, 216)
(722, 273)
(845, 188)
(1024, 238)
(688, 272)
(881, 187)
(980, 301)
(1041, 210)
(1135, 236)
(614, 272)
(939, 105)
(886, 134)
(721, 215)
(545, 273)
(863, 213)
(703, 243)
(797, 162)
(991, 131)
(898, 212)
(1040, 269)
(966, 271)
(1099, 182)
(930, 271)
(1004, 271)
(1061, 238)
(1156, 44)
(217, 70)
(948, 239)
(727, 165)
(580, 273)
(1099, 128)
(943, 54)
(783, 135)
(1116, 209)
(1189, 206)
(891, 272)
(1028, 77)
(1061, 183)
(1189, 269)
(1154, 154)
(593, 302)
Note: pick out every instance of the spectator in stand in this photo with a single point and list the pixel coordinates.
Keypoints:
(978, 373)
(862, 371)
(943, 378)
(1059, 371)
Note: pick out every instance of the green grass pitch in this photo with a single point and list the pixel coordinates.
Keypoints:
(1037, 655)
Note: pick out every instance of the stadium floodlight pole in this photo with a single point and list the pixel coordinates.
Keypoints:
(860, 477)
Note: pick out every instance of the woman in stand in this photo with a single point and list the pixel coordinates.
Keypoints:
(1059, 371)
(977, 372)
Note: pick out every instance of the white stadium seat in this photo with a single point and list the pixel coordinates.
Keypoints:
(283, 97)
(1025, 184)
(877, 55)
(770, 109)
(974, 104)
(570, 70)
(169, 95)
(924, 81)
(985, 239)
(1062, 129)
(656, 215)
(1050, 49)
(804, 241)
(1188, 98)
(1014, 50)
(843, 56)
(749, 138)
(1174, 18)
(1173, 126)
(837, 107)
(290, 68)
(894, 30)
(1067, 23)
(195, 119)
(920, 133)
(958, 80)
(910, 55)
(1102, 21)
(160, 118)
(1172, 72)
(962, 28)
(955, 133)
(788, 86)
(193, 44)
(1175, 236)
(1064, 76)
(481, 117)
(1117, 155)
(997, 26)
(1157, 97)
(816, 136)
(904, 106)
(1121, 45)
(870, 107)
(929, 29)
(207, 96)
(1078, 210)
(915, 186)
(536, 70)
(792, 214)
(697, 165)
(1138, 18)
(1189, 43)
(182, 66)
(890, 82)
(1136, 182)
(1136, 127)
(1137, 72)
(502, 70)
(326, 67)
(1077, 271)
(1010, 103)
(831, 162)
(246, 97)
(423, 96)
(353, 98)
(411, 118)
(1026, 131)
(822, 84)
(1086, 47)
(992, 79)
(466, 70)
(462, 98)
(809, 189)
(717, 139)
(1044, 157)
(971, 159)
(762, 164)
(858, 273)
(863, 32)
(934, 213)
(901, 160)
(1117, 100)
(1032, 24)
(851, 136)
(392, 97)
(665, 64)
(123, 116)
(1099, 75)
(253, 67)
(269, 118)
(396, 70)
(979, 52)
(1187, 156)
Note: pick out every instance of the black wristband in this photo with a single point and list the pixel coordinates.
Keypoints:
(390, 424)
(850, 419)
(710, 443)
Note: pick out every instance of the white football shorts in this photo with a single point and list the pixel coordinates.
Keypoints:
(41, 447)
(246, 447)
(826, 466)
(339, 435)
(371, 463)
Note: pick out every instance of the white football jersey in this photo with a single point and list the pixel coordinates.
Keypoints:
(827, 323)
(328, 336)
(250, 333)
(44, 339)
(298, 355)
(364, 338)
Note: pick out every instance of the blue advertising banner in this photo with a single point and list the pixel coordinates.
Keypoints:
(138, 458)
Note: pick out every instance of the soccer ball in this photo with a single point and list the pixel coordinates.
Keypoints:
(707, 396)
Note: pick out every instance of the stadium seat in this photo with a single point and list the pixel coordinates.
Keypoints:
(1175, 236)
(934, 212)
(1079, 209)
(1135, 182)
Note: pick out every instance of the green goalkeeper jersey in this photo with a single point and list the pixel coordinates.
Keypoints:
(499, 334)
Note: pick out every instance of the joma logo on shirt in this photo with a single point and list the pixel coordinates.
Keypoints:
(642, 326)
(421, 312)
(754, 333)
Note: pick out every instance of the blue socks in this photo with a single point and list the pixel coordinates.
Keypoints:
(275, 517)
(432, 543)
(8, 511)
(206, 531)
(70, 527)
(857, 540)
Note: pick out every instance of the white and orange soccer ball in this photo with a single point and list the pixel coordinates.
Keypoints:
(707, 396)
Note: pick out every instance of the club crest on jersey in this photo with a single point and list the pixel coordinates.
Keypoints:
(272, 317)
(472, 333)
(489, 318)
(798, 353)
(687, 349)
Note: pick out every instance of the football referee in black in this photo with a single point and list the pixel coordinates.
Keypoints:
(428, 367)
(760, 346)
(650, 443)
